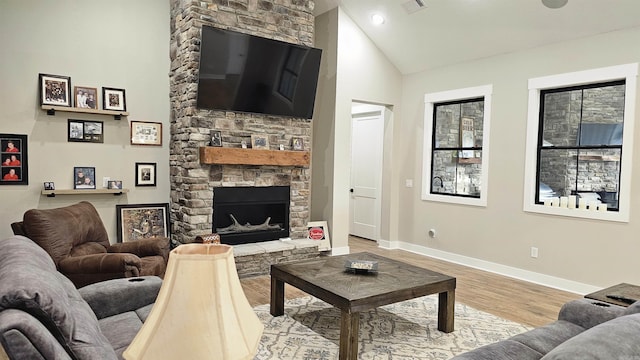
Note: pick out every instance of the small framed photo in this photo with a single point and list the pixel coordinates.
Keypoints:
(85, 131)
(84, 177)
(85, 97)
(14, 168)
(142, 221)
(319, 231)
(114, 184)
(145, 174)
(146, 133)
(259, 141)
(297, 144)
(49, 185)
(55, 90)
(216, 138)
(113, 99)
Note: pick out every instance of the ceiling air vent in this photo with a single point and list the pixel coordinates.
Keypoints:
(413, 5)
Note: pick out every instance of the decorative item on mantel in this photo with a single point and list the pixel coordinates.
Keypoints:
(201, 311)
(208, 239)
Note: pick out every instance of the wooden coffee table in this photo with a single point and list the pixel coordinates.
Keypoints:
(327, 279)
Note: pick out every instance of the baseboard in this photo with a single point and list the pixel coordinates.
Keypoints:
(340, 251)
(516, 273)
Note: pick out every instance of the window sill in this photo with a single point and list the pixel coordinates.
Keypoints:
(578, 213)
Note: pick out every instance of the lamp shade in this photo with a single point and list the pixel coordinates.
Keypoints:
(201, 311)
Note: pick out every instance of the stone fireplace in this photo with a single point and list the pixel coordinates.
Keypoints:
(194, 184)
(245, 215)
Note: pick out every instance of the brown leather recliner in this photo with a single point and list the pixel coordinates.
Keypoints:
(76, 239)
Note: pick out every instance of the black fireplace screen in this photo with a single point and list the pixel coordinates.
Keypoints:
(244, 215)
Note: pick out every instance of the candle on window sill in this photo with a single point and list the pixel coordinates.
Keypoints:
(564, 202)
(547, 202)
(572, 201)
(602, 207)
(583, 204)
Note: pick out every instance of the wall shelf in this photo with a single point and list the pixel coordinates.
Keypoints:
(53, 193)
(237, 156)
(51, 110)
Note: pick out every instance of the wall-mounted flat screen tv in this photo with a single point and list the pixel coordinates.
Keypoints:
(246, 73)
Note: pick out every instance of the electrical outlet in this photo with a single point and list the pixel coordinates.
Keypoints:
(534, 252)
(432, 233)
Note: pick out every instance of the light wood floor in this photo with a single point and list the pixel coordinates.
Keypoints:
(512, 299)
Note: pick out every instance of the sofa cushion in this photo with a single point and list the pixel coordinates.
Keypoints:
(120, 329)
(29, 282)
(614, 339)
(543, 339)
(502, 350)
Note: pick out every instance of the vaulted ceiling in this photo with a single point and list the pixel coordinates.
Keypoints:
(446, 32)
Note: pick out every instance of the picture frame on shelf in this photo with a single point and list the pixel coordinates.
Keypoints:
(216, 138)
(145, 174)
(113, 99)
(85, 131)
(297, 144)
(146, 133)
(114, 184)
(85, 97)
(259, 141)
(319, 231)
(55, 90)
(48, 185)
(84, 177)
(141, 221)
(14, 167)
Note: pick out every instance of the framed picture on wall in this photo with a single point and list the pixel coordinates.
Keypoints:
(113, 99)
(85, 131)
(141, 221)
(146, 133)
(14, 169)
(55, 90)
(145, 174)
(85, 97)
(84, 177)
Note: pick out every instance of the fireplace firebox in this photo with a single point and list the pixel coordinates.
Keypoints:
(244, 215)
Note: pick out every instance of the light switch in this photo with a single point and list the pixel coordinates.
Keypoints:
(408, 183)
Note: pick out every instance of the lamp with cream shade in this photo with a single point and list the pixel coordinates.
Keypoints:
(201, 311)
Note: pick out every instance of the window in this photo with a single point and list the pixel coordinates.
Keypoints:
(579, 137)
(455, 155)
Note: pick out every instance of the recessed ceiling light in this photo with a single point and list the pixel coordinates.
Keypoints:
(377, 19)
(555, 4)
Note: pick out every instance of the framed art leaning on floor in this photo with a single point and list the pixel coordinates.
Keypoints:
(141, 221)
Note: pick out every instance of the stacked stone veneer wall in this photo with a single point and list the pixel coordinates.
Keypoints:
(192, 184)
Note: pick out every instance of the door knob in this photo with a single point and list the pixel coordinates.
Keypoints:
(351, 190)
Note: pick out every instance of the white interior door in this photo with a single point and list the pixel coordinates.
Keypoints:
(367, 129)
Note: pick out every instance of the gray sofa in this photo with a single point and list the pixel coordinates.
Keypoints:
(44, 316)
(585, 330)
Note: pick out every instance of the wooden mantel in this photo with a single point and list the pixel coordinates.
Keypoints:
(238, 156)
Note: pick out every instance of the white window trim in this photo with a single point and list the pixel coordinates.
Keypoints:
(430, 100)
(629, 73)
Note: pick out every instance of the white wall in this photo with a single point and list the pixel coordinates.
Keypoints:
(582, 252)
(363, 74)
(118, 43)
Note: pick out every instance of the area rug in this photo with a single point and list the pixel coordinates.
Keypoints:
(310, 329)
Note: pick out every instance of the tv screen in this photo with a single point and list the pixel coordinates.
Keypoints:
(246, 73)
